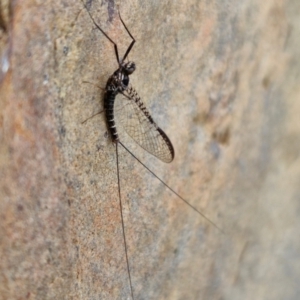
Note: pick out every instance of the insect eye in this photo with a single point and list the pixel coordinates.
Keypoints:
(125, 80)
(130, 67)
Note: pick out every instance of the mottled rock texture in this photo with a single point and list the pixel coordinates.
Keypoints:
(222, 78)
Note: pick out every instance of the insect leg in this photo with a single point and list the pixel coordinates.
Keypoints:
(115, 45)
(98, 113)
(133, 39)
(99, 87)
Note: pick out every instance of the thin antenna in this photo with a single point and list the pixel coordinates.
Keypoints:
(123, 227)
(185, 201)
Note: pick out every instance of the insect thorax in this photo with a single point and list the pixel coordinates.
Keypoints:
(119, 81)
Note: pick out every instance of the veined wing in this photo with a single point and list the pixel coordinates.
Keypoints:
(138, 123)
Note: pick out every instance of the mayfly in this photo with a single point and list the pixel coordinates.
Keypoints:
(137, 122)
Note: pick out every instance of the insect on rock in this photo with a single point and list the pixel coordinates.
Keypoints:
(138, 123)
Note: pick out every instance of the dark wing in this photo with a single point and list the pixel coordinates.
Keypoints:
(136, 120)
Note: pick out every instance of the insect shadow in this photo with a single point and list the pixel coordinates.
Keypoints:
(139, 125)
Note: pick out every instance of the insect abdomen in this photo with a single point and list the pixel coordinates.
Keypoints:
(109, 100)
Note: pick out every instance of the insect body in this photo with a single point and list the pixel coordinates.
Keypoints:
(137, 122)
(117, 83)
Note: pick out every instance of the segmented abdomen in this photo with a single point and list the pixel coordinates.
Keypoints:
(109, 100)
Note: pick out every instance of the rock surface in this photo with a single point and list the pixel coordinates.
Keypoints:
(222, 78)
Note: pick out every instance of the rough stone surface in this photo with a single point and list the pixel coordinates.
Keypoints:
(222, 78)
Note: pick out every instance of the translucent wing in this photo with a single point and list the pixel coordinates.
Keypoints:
(136, 120)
